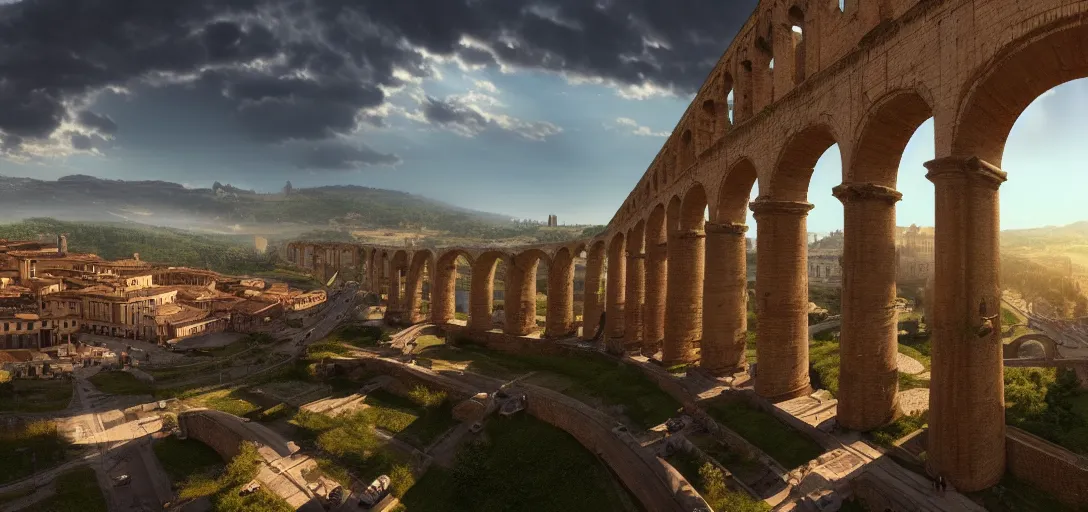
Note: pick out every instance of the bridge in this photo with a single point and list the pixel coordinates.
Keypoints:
(802, 75)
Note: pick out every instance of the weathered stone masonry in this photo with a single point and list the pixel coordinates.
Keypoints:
(864, 78)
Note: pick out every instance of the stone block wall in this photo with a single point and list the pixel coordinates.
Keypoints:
(1046, 466)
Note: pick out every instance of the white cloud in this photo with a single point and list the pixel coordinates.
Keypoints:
(634, 128)
(486, 86)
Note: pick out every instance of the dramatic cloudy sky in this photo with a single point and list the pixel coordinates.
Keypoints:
(525, 107)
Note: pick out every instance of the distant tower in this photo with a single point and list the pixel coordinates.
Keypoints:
(62, 245)
(553, 221)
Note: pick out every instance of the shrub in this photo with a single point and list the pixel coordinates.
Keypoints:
(400, 480)
(425, 397)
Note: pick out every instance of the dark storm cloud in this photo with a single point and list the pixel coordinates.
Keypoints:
(310, 69)
(99, 122)
(339, 156)
(453, 113)
(80, 141)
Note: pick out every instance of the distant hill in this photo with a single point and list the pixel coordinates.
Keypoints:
(226, 209)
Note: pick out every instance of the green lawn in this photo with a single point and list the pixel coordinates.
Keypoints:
(77, 491)
(356, 335)
(892, 432)
(591, 378)
(1008, 317)
(786, 445)
(824, 357)
(407, 419)
(192, 466)
(710, 482)
(30, 448)
(348, 445)
(1012, 495)
(120, 383)
(37, 396)
(524, 465)
(227, 400)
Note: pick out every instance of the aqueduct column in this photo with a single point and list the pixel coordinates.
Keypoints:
(483, 280)
(966, 440)
(653, 316)
(560, 319)
(725, 299)
(635, 294)
(521, 295)
(443, 300)
(868, 369)
(781, 299)
(683, 310)
(591, 307)
(615, 291)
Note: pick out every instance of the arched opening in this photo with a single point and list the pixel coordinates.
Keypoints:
(686, 249)
(1010, 123)
(635, 292)
(686, 156)
(797, 43)
(727, 86)
(451, 294)
(615, 293)
(525, 307)
(746, 100)
(708, 125)
(656, 282)
(398, 287)
(578, 301)
(418, 287)
(842, 5)
(594, 313)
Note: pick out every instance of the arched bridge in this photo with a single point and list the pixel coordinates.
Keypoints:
(801, 76)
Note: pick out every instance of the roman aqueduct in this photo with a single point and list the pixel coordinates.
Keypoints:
(803, 75)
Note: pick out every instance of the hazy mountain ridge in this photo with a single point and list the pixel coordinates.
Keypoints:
(86, 198)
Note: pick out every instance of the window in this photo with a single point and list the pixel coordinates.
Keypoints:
(30, 326)
(18, 326)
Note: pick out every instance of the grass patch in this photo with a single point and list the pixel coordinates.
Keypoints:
(778, 440)
(916, 354)
(326, 349)
(824, 358)
(888, 434)
(521, 464)
(29, 395)
(356, 335)
(428, 341)
(226, 400)
(1048, 403)
(120, 383)
(77, 491)
(276, 412)
(32, 447)
(191, 465)
(711, 484)
(1008, 317)
(1012, 495)
(592, 377)
(417, 420)
(241, 470)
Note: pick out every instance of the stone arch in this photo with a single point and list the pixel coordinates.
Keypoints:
(419, 286)
(398, 272)
(560, 308)
(693, 208)
(481, 299)
(672, 215)
(444, 290)
(635, 289)
(881, 140)
(709, 125)
(593, 307)
(797, 41)
(685, 157)
(1012, 349)
(728, 99)
(793, 171)
(1021, 72)
(656, 281)
(615, 288)
(521, 292)
(736, 190)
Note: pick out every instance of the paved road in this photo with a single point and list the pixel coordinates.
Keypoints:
(338, 309)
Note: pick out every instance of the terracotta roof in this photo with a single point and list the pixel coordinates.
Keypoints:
(16, 356)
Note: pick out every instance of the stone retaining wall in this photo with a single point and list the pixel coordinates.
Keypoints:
(1047, 466)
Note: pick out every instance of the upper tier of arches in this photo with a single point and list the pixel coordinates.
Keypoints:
(872, 73)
